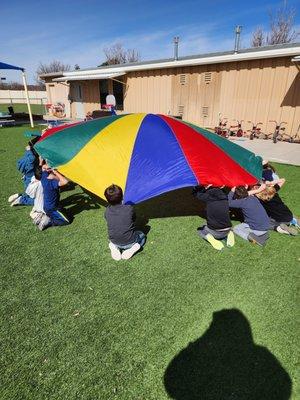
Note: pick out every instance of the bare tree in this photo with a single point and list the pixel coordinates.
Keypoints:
(116, 54)
(133, 56)
(54, 66)
(258, 38)
(281, 28)
(281, 24)
(12, 85)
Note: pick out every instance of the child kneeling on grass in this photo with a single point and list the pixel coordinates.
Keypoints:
(26, 166)
(51, 181)
(281, 217)
(121, 228)
(35, 191)
(256, 225)
(217, 214)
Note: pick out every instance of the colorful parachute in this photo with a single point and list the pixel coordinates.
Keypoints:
(145, 154)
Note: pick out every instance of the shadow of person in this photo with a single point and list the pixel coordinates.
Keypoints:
(225, 364)
(78, 202)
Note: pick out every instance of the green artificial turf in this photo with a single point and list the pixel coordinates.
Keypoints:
(22, 107)
(77, 325)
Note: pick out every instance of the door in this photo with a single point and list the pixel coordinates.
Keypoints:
(78, 101)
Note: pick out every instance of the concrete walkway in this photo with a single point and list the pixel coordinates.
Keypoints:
(281, 152)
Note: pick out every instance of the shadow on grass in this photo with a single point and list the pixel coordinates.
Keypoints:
(78, 202)
(225, 364)
(176, 203)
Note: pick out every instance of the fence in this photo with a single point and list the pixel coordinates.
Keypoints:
(17, 99)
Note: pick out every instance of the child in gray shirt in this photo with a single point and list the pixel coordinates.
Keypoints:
(125, 240)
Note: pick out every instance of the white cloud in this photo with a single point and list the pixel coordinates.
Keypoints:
(44, 47)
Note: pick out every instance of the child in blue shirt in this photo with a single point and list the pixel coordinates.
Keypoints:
(51, 181)
(256, 225)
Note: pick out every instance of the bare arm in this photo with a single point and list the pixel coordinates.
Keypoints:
(279, 182)
(258, 190)
(62, 180)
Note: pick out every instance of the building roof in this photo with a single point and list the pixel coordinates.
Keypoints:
(49, 74)
(281, 50)
(294, 47)
(88, 77)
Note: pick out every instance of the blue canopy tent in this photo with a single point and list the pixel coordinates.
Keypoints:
(9, 66)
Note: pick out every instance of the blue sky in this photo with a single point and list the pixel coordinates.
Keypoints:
(76, 31)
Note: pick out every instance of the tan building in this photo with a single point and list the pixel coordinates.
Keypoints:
(257, 84)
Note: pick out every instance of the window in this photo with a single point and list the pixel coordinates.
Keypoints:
(79, 92)
(103, 88)
(118, 93)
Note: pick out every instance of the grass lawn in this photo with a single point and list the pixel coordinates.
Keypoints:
(77, 325)
(19, 108)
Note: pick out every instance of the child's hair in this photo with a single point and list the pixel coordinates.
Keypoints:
(113, 194)
(240, 192)
(267, 194)
(31, 143)
(268, 166)
(38, 172)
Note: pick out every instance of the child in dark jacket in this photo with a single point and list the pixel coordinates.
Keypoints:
(218, 225)
(256, 225)
(281, 217)
(121, 227)
(26, 165)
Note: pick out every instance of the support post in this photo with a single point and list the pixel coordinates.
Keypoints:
(27, 98)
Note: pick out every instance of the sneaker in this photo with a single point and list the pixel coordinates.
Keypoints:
(37, 219)
(13, 197)
(16, 202)
(260, 240)
(230, 239)
(283, 228)
(295, 222)
(130, 252)
(115, 252)
(216, 244)
(44, 223)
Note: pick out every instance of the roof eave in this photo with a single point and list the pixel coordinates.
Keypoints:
(214, 59)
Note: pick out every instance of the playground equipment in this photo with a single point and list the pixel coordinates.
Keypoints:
(255, 131)
(222, 129)
(278, 133)
(236, 130)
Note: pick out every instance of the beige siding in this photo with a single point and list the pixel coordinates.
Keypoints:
(58, 93)
(255, 90)
(148, 91)
(90, 96)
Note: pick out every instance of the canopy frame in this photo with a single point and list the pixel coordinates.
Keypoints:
(9, 66)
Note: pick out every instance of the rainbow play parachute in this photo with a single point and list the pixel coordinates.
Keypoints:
(145, 154)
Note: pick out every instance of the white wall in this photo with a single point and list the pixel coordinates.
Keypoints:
(18, 96)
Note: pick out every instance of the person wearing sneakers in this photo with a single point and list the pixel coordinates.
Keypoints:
(26, 166)
(125, 240)
(35, 191)
(256, 225)
(51, 181)
(217, 214)
(281, 217)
